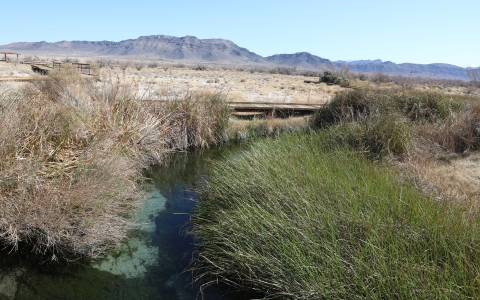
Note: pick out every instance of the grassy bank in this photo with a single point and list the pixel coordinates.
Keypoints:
(247, 130)
(73, 149)
(296, 217)
(414, 130)
(394, 121)
(325, 215)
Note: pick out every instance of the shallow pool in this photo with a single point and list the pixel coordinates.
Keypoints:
(149, 264)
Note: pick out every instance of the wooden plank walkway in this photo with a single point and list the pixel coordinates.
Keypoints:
(44, 68)
(271, 108)
(271, 105)
(16, 79)
(41, 69)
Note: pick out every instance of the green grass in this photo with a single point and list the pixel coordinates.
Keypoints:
(294, 217)
(393, 121)
(420, 106)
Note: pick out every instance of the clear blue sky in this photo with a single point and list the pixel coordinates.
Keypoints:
(427, 31)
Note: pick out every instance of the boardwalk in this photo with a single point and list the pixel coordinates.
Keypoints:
(274, 109)
(41, 69)
(17, 79)
(44, 68)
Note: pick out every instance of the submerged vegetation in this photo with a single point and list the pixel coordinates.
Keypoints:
(324, 215)
(73, 150)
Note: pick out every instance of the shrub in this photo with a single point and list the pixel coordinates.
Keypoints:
(459, 133)
(381, 117)
(72, 154)
(103, 62)
(474, 75)
(361, 76)
(309, 73)
(179, 66)
(153, 64)
(344, 107)
(404, 81)
(200, 68)
(379, 77)
(124, 64)
(283, 70)
(419, 106)
(139, 65)
(70, 60)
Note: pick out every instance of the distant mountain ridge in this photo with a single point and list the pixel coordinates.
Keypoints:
(302, 59)
(438, 70)
(192, 49)
(155, 46)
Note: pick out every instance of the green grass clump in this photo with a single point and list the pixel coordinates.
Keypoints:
(385, 121)
(377, 135)
(354, 105)
(296, 218)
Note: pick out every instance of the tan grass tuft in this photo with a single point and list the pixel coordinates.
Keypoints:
(73, 150)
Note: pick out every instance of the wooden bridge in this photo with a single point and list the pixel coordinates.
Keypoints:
(41, 68)
(44, 68)
(248, 109)
(16, 79)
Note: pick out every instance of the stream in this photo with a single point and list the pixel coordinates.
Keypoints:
(147, 265)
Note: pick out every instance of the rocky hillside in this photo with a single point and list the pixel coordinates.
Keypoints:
(302, 60)
(188, 48)
(442, 71)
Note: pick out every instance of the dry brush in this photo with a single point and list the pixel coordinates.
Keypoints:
(72, 153)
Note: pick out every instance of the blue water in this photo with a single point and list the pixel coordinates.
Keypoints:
(150, 264)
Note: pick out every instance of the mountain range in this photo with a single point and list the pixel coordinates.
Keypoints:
(192, 49)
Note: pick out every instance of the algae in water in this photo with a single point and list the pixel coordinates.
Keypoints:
(132, 256)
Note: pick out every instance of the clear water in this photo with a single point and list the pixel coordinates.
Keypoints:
(148, 265)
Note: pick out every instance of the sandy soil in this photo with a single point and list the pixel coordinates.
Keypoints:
(9, 70)
(459, 176)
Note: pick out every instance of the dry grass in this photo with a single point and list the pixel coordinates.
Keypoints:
(244, 129)
(72, 153)
(445, 157)
(241, 84)
(14, 70)
(429, 135)
(457, 134)
(448, 178)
